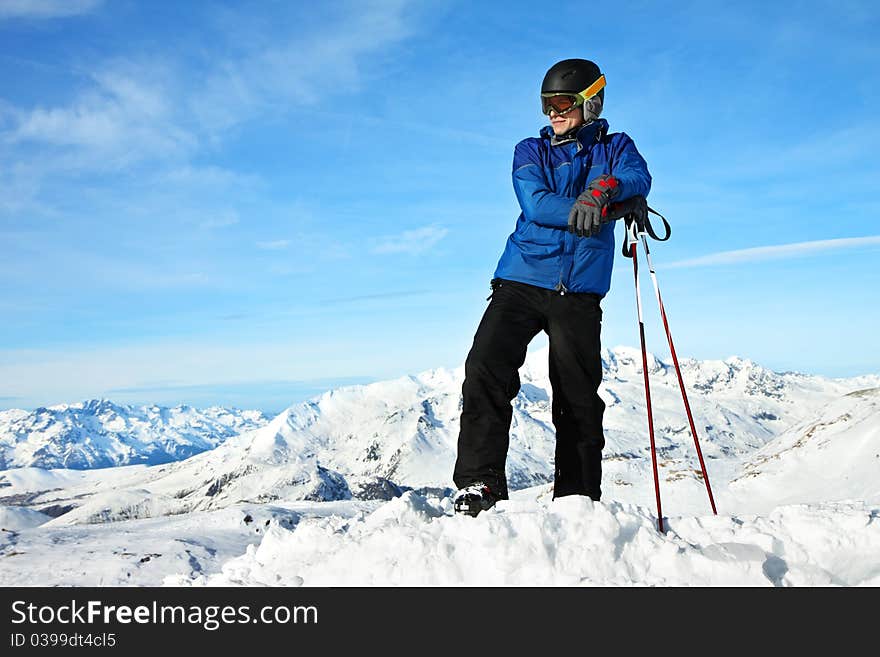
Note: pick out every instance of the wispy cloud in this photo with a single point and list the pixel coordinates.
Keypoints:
(378, 296)
(410, 241)
(220, 220)
(20, 185)
(168, 108)
(271, 70)
(46, 8)
(49, 376)
(72, 264)
(125, 117)
(321, 383)
(275, 245)
(268, 396)
(208, 177)
(776, 252)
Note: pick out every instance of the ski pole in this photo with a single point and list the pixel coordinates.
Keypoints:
(633, 236)
(687, 405)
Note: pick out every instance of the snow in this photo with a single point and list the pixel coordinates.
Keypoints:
(143, 552)
(531, 540)
(14, 518)
(793, 460)
(833, 455)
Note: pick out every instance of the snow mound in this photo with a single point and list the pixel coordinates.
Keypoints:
(531, 540)
(15, 519)
(119, 505)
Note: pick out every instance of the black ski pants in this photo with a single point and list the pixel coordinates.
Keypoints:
(517, 312)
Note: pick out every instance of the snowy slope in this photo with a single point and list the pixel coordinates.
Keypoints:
(834, 455)
(144, 552)
(100, 434)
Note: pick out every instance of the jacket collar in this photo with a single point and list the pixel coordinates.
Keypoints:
(588, 134)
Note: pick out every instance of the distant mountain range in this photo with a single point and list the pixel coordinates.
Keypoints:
(372, 441)
(101, 434)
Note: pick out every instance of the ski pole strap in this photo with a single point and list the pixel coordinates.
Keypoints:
(636, 209)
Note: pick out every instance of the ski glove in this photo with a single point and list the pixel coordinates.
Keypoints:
(590, 211)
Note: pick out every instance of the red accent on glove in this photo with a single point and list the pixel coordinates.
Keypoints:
(596, 192)
(592, 205)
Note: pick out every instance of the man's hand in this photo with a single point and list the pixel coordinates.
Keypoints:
(590, 210)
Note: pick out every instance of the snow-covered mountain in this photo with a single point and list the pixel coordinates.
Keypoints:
(100, 434)
(372, 441)
(793, 459)
(405, 430)
(833, 455)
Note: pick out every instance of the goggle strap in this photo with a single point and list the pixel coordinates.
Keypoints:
(594, 88)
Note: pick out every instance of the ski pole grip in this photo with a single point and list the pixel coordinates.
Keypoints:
(635, 210)
(635, 207)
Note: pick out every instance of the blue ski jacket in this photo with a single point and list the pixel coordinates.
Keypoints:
(548, 176)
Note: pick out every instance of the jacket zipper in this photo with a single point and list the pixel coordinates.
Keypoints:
(560, 287)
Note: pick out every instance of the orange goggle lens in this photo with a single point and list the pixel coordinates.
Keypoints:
(561, 103)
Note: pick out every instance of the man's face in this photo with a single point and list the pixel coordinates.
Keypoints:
(562, 123)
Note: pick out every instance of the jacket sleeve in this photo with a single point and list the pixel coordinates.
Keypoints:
(538, 203)
(630, 168)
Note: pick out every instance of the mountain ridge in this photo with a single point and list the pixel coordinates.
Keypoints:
(380, 438)
(99, 433)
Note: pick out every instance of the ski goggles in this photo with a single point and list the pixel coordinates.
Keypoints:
(564, 103)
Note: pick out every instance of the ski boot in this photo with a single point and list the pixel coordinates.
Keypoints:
(473, 499)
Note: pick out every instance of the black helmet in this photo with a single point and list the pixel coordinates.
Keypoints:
(577, 76)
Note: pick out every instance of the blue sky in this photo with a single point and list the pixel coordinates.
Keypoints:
(246, 203)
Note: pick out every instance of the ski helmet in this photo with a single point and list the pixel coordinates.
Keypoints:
(579, 78)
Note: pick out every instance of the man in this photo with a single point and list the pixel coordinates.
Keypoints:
(552, 275)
